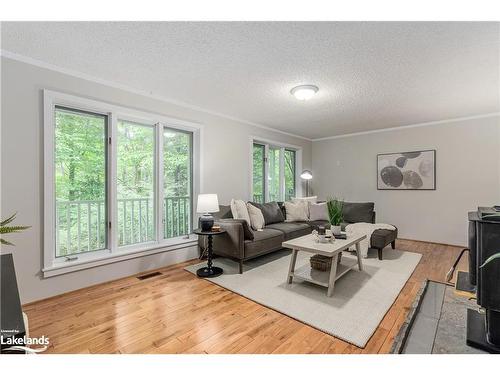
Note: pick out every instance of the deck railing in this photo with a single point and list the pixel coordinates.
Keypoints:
(176, 216)
(257, 198)
(81, 225)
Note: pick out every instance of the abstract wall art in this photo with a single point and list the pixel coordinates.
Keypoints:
(412, 170)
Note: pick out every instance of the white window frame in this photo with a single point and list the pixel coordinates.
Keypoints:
(53, 266)
(267, 143)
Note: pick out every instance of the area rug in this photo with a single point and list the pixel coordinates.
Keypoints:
(360, 298)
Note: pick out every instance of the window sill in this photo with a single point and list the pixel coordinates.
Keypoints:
(60, 267)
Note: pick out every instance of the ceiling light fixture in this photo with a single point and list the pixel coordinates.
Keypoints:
(304, 92)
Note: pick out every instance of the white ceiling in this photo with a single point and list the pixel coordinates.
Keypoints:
(371, 75)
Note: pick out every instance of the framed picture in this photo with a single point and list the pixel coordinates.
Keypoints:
(412, 170)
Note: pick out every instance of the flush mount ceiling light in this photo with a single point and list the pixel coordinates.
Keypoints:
(304, 92)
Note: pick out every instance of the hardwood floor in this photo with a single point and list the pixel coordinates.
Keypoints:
(178, 313)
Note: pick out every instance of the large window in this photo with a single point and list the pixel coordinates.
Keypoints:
(116, 181)
(274, 172)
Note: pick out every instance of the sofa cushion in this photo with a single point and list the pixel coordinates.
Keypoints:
(271, 211)
(358, 212)
(256, 217)
(313, 199)
(224, 213)
(281, 205)
(248, 233)
(239, 210)
(318, 211)
(296, 211)
(264, 241)
(383, 237)
(291, 230)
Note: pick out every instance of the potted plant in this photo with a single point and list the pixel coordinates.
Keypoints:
(4, 229)
(335, 207)
(10, 296)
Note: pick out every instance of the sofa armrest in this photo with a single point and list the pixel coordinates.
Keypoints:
(231, 243)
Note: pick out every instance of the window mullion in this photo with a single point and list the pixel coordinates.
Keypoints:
(282, 174)
(252, 169)
(266, 173)
(295, 173)
(191, 182)
(112, 203)
(159, 158)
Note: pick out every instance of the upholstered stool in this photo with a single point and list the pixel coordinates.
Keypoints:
(383, 237)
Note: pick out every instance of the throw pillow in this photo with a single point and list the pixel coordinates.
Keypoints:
(358, 212)
(224, 212)
(313, 199)
(256, 218)
(281, 205)
(296, 211)
(318, 211)
(271, 212)
(239, 210)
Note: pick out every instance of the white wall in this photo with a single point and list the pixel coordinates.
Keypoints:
(467, 176)
(225, 163)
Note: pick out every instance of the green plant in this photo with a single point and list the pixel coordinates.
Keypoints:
(490, 259)
(4, 229)
(335, 207)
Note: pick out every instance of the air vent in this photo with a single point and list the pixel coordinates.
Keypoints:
(149, 275)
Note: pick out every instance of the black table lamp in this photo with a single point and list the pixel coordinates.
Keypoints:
(207, 204)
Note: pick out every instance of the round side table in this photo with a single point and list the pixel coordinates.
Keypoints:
(209, 270)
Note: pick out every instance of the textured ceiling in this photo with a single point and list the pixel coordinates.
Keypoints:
(371, 75)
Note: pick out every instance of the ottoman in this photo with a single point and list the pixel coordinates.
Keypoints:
(383, 237)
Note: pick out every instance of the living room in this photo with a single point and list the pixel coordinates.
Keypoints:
(250, 187)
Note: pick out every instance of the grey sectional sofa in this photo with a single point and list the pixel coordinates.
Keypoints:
(241, 243)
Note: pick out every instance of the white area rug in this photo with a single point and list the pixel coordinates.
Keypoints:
(359, 302)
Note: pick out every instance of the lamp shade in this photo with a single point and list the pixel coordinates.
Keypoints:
(306, 175)
(207, 203)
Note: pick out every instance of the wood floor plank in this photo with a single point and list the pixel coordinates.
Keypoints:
(271, 337)
(231, 333)
(302, 341)
(176, 312)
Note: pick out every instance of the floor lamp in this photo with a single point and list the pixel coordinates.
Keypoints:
(306, 175)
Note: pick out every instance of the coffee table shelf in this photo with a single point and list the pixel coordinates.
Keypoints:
(322, 278)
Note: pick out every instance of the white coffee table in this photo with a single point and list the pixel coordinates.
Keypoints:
(327, 279)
